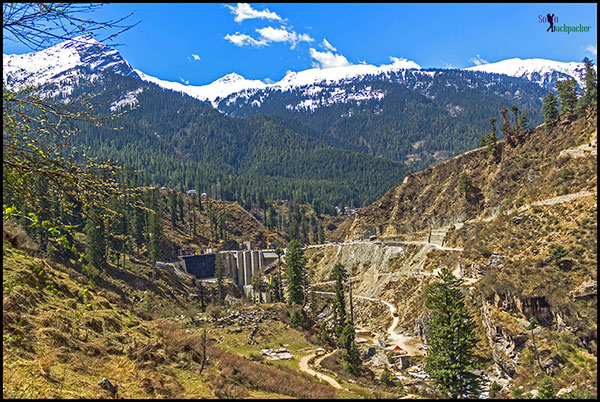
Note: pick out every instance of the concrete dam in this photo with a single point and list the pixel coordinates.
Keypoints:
(238, 265)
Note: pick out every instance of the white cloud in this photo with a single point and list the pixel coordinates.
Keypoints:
(243, 11)
(282, 35)
(275, 34)
(478, 60)
(186, 82)
(592, 49)
(239, 39)
(328, 45)
(328, 59)
(194, 57)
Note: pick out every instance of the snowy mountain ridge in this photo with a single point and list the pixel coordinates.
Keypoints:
(541, 71)
(235, 83)
(55, 64)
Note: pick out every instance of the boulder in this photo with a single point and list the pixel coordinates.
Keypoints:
(107, 385)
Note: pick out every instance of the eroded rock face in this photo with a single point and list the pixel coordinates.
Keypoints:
(371, 261)
(586, 289)
(504, 348)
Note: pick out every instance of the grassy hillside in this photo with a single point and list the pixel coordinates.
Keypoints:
(62, 335)
(534, 169)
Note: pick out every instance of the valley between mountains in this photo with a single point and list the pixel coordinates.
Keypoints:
(357, 232)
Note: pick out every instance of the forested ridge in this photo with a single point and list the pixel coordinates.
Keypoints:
(176, 141)
(445, 109)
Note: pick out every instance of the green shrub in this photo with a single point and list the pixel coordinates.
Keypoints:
(557, 252)
(546, 389)
(485, 252)
(517, 392)
(296, 318)
(494, 389)
(577, 394)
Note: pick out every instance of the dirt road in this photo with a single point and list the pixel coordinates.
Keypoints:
(394, 337)
(304, 367)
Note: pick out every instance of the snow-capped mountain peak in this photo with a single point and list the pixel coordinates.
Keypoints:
(41, 67)
(542, 71)
(212, 92)
(230, 78)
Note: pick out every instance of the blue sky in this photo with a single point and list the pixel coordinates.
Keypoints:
(199, 43)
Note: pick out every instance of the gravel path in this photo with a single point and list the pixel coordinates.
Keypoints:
(304, 367)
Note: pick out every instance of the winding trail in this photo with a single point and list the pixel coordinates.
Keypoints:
(304, 367)
(394, 337)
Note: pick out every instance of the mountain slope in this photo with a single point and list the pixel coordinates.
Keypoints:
(524, 240)
(517, 176)
(175, 140)
(53, 65)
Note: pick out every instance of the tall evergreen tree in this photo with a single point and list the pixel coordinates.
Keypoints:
(550, 108)
(154, 230)
(590, 92)
(451, 338)
(296, 264)
(173, 207)
(180, 205)
(351, 356)
(515, 110)
(489, 141)
(95, 244)
(339, 275)
(505, 128)
(567, 92)
(523, 122)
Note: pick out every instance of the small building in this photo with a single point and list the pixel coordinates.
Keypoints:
(404, 362)
(191, 192)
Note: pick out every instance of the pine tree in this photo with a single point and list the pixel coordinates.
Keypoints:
(339, 275)
(523, 122)
(95, 244)
(550, 108)
(515, 110)
(180, 205)
(567, 92)
(275, 288)
(491, 139)
(351, 356)
(321, 234)
(173, 207)
(590, 92)
(154, 230)
(295, 272)
(451, 338)
(505, 128)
